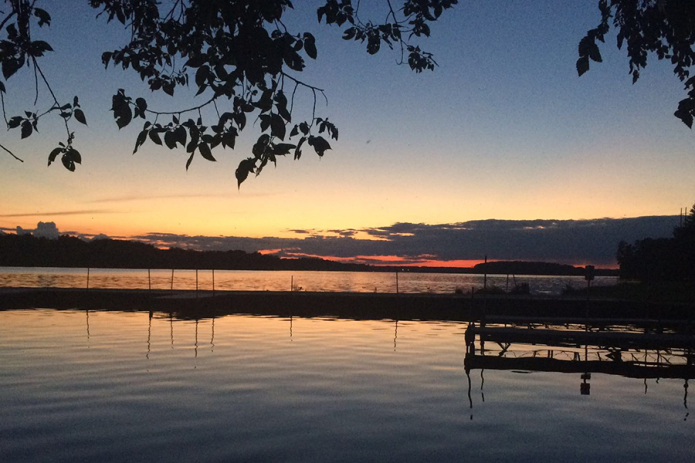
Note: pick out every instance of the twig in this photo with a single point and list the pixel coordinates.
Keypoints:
(165, 113)
(4, 113)
(48, 86)
(12, 154)
(4, 21)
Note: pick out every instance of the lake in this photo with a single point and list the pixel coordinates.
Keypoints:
(248, 280)
(139, 387)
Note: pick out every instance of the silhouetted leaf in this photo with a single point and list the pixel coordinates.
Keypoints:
(582, 65)
(196, 62)
(265, 122)
(76, 156)
(170, 140)
(10, 66)
(205, 152)
(260, 146)
(310, 45)
(684, 116)
(320, 145)
(282, 149)
(14, 122)
(277, 126)
(79, 115)
(27, 129)
(154, 136)
(298, 149)
(140, 140)
(141, 103)
(68, 163)
(190, 159)
(70, 157)
(180, 135)
(121, 110)
(594, 53)
(38, 48)
(53, 155)
(246, 167)
(44, 17)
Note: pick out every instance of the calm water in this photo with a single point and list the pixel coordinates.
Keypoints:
(408, 282)
(124, 387)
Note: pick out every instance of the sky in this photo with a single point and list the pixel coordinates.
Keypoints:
(502, 132)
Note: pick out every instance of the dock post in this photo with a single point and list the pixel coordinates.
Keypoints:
(213, 281)
(149, 281)
(172, 280)
(485, 275)
(396, 281)
(196, 283)
(292, 283)
(87, 277)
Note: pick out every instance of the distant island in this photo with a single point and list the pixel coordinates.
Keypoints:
(72, 252)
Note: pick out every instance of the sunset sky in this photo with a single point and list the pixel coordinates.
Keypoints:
(503, 129)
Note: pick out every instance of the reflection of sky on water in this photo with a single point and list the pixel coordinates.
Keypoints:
(112, 386)
(408, 282)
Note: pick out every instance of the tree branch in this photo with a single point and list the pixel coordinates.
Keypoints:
(12, 154)
(174, 113)
(50, 90)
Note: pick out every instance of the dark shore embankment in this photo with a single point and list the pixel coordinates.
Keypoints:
(361, 306)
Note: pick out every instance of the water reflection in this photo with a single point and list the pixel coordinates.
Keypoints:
(343, 390)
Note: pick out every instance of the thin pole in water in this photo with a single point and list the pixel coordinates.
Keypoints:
(172, 280)
(213, 281)
(396, 281)
(87, 277)
(196, 283)
(292, 283)
(149, 280)
(485, 275)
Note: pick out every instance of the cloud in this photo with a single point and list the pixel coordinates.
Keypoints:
(61, 213)
(47, 230)
(131, 198)
(564, 241)
(43, 230)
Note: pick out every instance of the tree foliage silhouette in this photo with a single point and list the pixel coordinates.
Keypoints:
(663, 259)
(245, 63)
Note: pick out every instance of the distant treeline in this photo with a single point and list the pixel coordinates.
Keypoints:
(536, 268)
(663, 259)
(68, 251)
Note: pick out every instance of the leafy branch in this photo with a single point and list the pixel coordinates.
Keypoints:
(17, 50)
(237, 55)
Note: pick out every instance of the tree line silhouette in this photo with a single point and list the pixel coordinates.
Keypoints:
(69, 251)
(662, 259)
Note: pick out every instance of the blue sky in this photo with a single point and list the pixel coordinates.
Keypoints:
(503, 129)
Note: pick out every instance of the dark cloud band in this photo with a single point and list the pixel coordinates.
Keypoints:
(566, 241)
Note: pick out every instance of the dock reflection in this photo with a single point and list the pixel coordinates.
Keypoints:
(655, 351)
(645, 349)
